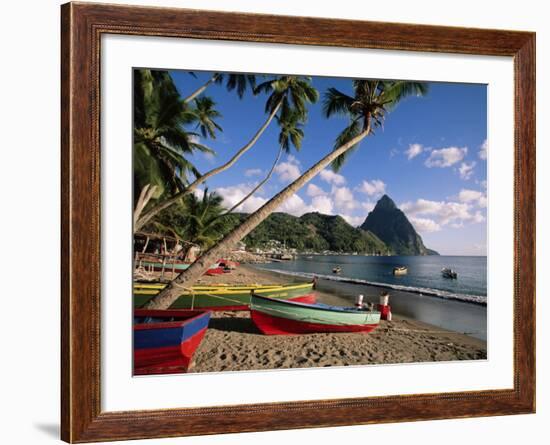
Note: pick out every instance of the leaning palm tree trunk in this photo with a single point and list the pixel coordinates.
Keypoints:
(145, 196)
(147, 216)
(187, 278)
(260, 184)
(200, 90)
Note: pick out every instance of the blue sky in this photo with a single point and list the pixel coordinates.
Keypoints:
(430, 158)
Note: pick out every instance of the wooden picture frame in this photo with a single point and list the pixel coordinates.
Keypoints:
(82, 27)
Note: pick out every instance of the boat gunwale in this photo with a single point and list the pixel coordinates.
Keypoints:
(169, 324)
(233, 291)
(340, 309)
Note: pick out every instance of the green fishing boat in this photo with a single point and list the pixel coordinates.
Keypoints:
(276, 317)
(223, 297)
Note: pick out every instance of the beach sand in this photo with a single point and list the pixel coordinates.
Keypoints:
(233, 343)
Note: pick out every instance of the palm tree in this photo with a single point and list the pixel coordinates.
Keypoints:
(286, 93)
(205, 223)
(161, 141)
(206, 113)
(291, 134)
(365, 109)
(239, 82)
(198, 220)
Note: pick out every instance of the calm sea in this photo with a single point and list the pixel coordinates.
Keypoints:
(423, 294)
(424, 273)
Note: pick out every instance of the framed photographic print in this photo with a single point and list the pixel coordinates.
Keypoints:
(277, 222)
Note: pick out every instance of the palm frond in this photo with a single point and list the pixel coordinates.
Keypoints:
(396, 91)
(336, 102)
(351, 131)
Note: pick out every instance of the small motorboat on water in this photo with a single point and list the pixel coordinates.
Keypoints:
(337, 269)
(400, 270)
(449, 273)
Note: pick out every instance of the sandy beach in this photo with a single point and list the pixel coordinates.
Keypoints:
(233, 343)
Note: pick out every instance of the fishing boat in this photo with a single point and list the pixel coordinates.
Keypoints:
(216, 271)
(225, 298)
(177, 266)
(400, 270)
(227, 264)
(276, 317)
(449, 273)
(337, 269)
(165, 340)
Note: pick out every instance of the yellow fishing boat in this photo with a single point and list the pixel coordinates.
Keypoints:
(224, 296)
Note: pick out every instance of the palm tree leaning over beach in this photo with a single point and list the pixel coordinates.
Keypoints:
(365, 110)
(238, 82)
(287, 95)
(163, 139)
(290, 135)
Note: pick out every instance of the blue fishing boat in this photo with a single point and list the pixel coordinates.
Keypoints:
(165, 340)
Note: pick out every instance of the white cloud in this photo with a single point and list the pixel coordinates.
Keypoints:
(313, 190)
(483, 150)
(293, 159)
(478, 217)
(294, 206)
(393, 152)
(425, 225)
(343, 199)
(484, 184)
(372, 188)
(368, 205)
(466, 195)
(446, 157)
(414, 150)
(473, 196)
(288, 171)
(353, 220)
(466, 170)
(253, 172)
(443, 213)
(233, 194)
(332, 178)
(322, 204)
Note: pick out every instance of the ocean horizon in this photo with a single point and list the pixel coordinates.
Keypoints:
(423, 276)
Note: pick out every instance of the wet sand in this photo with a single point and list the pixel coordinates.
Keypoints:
(233, 343)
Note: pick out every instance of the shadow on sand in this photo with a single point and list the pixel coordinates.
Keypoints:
(243, 325)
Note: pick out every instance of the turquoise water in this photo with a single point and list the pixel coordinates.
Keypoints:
(424, 273)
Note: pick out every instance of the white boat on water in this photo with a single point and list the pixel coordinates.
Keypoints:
(449, 273)
(400, 270)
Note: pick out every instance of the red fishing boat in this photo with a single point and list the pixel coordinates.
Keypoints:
(215, 271)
